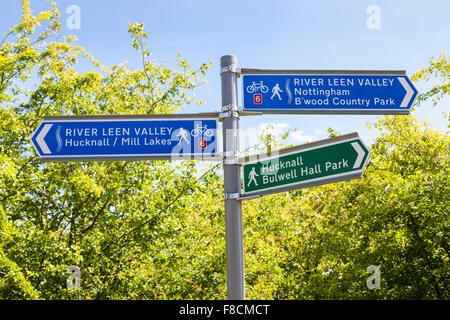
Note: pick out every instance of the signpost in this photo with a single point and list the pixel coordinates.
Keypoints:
(320, 162)
(127, 137)
(327, 92)
(194, 136)
(232, 180)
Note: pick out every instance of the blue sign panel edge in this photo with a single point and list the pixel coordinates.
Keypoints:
(342, 111)
(125, 157)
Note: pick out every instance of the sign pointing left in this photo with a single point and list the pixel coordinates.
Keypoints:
(40, 138)
(127, 137)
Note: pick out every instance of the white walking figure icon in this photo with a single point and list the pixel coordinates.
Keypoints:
(252, 176)
(183, 134)
(276, 92)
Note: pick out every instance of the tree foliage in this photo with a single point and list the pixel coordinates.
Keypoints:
(113, 219)
(155, 230)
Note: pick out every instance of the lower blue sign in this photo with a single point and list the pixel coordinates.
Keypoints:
(358, 93)
(126, 138)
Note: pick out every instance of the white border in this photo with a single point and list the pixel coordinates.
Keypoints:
(286, 110)
(330, 178)
(130, 157)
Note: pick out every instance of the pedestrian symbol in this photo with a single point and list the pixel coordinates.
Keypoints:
(183, 134)
(252, 176)
(276, 92)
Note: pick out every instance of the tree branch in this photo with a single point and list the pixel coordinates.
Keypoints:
(182, 192)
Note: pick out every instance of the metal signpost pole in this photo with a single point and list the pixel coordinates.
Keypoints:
(232, 180)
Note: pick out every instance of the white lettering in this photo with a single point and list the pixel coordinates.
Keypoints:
(74, 21)
(374, 20)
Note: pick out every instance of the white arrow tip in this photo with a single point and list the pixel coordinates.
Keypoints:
(40, 139)
(409, 92)
(360, 153)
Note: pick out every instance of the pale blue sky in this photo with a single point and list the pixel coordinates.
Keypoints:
(320, 34)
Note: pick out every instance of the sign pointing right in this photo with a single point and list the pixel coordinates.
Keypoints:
(320, 162)
(327, 91)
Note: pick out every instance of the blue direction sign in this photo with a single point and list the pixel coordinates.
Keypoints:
(129, 137)
(327, 92)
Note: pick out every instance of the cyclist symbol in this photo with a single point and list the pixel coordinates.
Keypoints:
(255, 86)
(199, 130)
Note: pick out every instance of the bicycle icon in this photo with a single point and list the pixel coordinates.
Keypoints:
(255, 86)
(199, 130)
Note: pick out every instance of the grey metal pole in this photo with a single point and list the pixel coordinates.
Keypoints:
(232, 180)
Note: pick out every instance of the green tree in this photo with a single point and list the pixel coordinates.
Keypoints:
(115, 220)
(155, 230)
(318, 242)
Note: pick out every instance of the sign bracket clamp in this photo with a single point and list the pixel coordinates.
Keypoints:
(229, 111)
(232, 69)
(232, 196)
